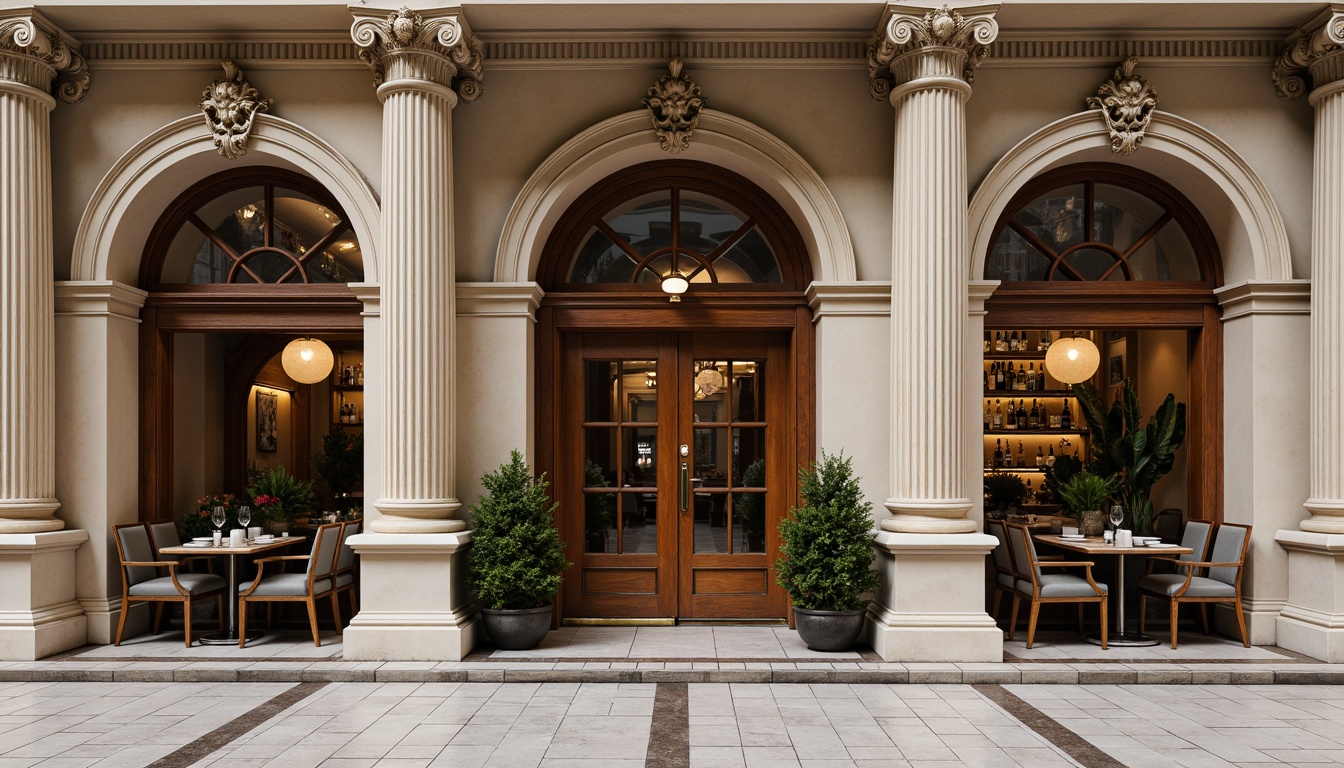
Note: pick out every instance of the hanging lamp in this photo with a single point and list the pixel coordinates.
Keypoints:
(307, 360)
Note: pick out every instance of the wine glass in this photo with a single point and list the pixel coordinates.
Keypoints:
(218, 517)
(244, 516)
(1117, 517)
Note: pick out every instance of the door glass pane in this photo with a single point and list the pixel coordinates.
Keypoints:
(709, 384)
(1167, 256)
(639, 385)
(645, 222)
(1091, 263)
(749, 458)
(748, 387)
(711, 456)
(1056, 217)
(639, 469)
(750, 260)
(601, 261)
(599, 522)
(748, 522)
(599, 389)
(639, 523)
(600, 466)
(1014, 258)
(711, 521)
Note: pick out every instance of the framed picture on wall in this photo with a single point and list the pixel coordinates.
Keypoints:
(267, 414)
(1115, 374)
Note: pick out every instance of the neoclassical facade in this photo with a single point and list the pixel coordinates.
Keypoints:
(485, 212)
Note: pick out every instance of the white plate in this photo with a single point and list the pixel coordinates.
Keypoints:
(199, 544)
(1072, 536)
(1163, 546)
(207, 539)
(264, 540)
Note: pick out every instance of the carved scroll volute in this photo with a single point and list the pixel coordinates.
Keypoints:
(230, 106)
(955, 41)
(388, 44)
(1126, 102)
(674, 104)
(1316, 50)
(44, 43)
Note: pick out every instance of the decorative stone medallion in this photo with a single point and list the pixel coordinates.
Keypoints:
(674, 103)
(230, 106)
(1126, 102)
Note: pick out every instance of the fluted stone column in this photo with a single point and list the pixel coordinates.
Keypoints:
(424, 63)
(1312, 620)
(39, 614)
(930, 553)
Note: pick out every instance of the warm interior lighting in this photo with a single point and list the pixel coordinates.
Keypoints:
(675, 283)
(1072, 360)
(307, 361)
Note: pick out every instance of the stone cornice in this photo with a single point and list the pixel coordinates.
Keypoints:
(913, 43)
(498, 300)
(1264, 297)
(44, 53)
(1315, 50)
(434, 46)
(857, 299)
(102, 298)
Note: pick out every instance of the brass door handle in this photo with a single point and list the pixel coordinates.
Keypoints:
(684, 487)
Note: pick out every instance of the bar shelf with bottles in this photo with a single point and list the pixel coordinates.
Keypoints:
(1023, 404)
(347, 388)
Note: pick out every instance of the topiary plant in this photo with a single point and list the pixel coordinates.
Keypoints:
(1086, 492)
(516, 556)
(827, 551)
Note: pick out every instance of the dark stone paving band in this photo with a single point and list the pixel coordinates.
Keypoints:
(1052, 730)
(670, 735)
(190, 754)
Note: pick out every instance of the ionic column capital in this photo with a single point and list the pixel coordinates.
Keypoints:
(419, 50)
(35, 53)
(1315, 50)
(930, 46)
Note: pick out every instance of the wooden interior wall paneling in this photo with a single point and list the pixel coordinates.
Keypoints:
(156, 436)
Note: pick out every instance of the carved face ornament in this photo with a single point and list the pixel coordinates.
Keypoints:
(674, 104)
(230, 106)
(1126, 102)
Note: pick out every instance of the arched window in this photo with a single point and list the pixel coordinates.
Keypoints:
(637, 226)
(1100, 222)
(254, 225)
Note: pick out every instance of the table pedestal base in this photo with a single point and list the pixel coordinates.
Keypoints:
(1126, 639)
(231, 638)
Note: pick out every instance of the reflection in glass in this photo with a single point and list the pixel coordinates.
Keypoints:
(1168, 256)
(748, 390)
(749, 261)
(600, 451)
(749, 463)
(639, 523)
(749, 519)
(1091, 263)
(639, 383)
(599, 522)
(640, 467)
(1014, 258)
(711, 522)
(601, 261)
(711, 456)
(599, 389)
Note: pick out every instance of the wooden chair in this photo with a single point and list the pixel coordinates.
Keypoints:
(313, 584)
(165, 535)
(1043, 588)
(1005, 576)
(140, 582)
(1221, 585)
(345, 564)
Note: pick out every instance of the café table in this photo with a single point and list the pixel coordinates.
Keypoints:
(230, 634)
(1094, 545)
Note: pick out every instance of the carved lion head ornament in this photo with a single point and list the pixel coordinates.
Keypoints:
(230, 106)
(674, 104)
(1126, 102)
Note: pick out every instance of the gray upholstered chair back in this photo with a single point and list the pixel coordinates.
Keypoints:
(1020, 537)
(1002, 559)
(346, 558)
(1196, 537)
(324, 550)
(1228, 547)
(135, 548)
(164, 535)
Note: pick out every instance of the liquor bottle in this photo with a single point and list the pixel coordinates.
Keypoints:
(1008, 377)
(1050, 457)
(1010, 417)
(1040, 379)
(1031, 377)
(1040, 458)
(986, 377)
(998, 415)
(988, 417)
(1013, 344)
(1021, 379)
(998, 454)
(1008, 457)
(986, 341)
(1021, 414)
(1021, 459)
(359, 374)
(998, 376)
(1053, 421)
(1044, 343)
(1065, 417)
(1034, 417)
(1000, 342)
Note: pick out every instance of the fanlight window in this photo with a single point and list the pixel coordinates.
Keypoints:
(645, 223)
(261, 230)
(1098, 229)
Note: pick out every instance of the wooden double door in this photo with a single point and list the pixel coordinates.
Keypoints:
(675, 464)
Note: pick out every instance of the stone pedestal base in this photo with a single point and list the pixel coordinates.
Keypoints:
(412, 597)
(931, 604)
(39, 616)
(1312, 621)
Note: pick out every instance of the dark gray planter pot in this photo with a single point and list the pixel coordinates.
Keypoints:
(829, 630)
(517, 630)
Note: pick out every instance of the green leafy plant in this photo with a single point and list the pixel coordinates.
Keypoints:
(599, 509)
(750, 507)
(516, 556)
(340, 463)
(1003, 491)
(1064, 468)
(827, 552)
(1085, 491)
(197, 522)
(1123, 445)
(295, 496)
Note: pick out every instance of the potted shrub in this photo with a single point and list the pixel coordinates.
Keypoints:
(1003, 492)
(516, 557)
(827, 556)
(1137, 454)
(750, 507)
(340, 463)
(598, 509)
(289, 497)
(1084, 494)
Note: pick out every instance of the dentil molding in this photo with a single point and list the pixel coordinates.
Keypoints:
(962, 36)
(398, 36)
(1126, 102)
(1313, 50)
(25, 32)
(230, 105)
